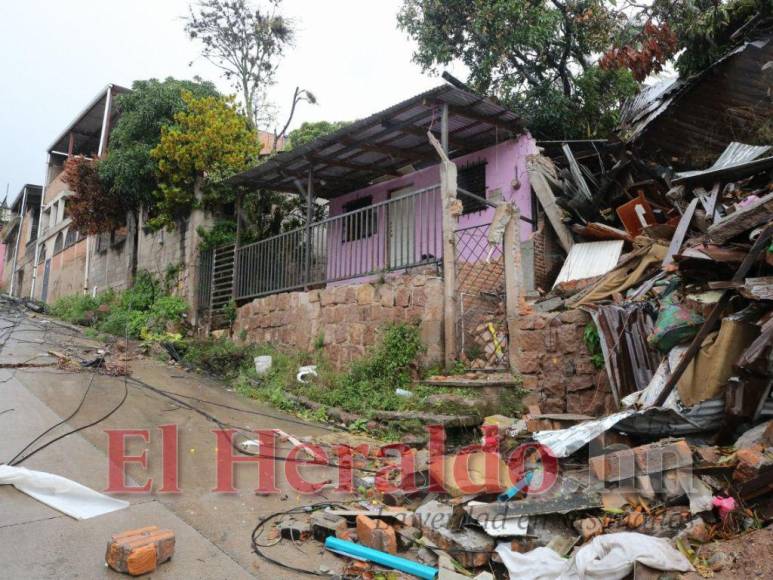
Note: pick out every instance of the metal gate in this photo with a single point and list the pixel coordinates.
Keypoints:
(480, 280)
(216, 282)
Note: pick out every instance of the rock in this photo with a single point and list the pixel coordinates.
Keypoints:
(762, 434)
(589, 528)
(324, 524)
(474, 546)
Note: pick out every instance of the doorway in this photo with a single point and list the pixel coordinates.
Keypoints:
(402, 227)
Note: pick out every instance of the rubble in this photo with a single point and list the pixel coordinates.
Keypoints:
(675, 270)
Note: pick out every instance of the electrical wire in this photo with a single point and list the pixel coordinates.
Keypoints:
(258, 531)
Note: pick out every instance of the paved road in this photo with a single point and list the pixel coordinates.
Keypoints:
(213, 530)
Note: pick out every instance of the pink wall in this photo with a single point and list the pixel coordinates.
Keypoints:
(505, 171)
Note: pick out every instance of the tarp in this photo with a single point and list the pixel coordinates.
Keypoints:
(626, 276)
(60, 493)
(707, 374)
(606, 557)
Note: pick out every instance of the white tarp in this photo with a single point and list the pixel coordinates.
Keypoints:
(606, 557)
(60, 493)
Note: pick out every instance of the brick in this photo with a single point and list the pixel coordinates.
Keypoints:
(327, 296)
(376, 534)
(419, 297)
(530, 362)
(659, 457)
(386, 296)
(402, 297)
(615, 466)
(573, 317)
(140, 551)
(419, 280)
(580, 383)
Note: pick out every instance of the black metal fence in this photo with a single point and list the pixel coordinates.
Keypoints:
(402, 232)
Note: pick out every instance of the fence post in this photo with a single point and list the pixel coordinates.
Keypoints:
(449, 208)
(309, 217)
(513, 284)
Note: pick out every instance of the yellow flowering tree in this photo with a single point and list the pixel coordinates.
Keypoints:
(208, 142)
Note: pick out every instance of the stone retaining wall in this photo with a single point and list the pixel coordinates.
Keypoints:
(347, 319)
(557, 368)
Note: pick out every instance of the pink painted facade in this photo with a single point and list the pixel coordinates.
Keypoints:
(409, 232)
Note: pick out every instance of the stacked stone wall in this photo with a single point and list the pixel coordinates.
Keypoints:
(346, 319)
(556, 366)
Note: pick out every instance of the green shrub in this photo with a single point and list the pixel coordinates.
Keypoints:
(144, 309)
(74, 308)
(371, 381)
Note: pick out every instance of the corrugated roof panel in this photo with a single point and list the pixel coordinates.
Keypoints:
(590, 259)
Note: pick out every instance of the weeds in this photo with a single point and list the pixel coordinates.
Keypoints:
(142, 310)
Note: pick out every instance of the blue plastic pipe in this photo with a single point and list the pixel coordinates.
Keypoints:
(382, 558)
(510, 493)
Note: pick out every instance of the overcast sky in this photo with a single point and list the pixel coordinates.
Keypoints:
(58, 55)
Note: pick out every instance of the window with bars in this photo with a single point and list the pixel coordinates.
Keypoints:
(473, 179)
(363, 224)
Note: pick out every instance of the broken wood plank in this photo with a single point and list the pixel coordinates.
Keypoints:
(743, 220)
(536, 167)
(759, 245)
(681, 232)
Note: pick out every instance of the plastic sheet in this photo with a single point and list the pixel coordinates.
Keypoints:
(60, 493)
(606, 557)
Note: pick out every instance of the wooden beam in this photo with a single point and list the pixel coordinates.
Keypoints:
(539, 169)
(370, 168)
(495, 120)
(407, 154)
(449, 222)
(513, 285)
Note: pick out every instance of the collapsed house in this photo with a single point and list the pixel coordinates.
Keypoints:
(654, 437)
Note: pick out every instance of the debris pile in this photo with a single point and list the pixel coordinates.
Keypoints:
(676, 272)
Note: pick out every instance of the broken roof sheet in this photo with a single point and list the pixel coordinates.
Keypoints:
(590, 259)
(386, 144)
(638, 112)
(737, 158)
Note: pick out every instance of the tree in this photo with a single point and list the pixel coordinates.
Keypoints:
(208, 141)
(128, 171)
(536, 55)
(245, 43)
(309, 131)
(92, 209)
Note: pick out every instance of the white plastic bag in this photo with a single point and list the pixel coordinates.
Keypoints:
(60, 493)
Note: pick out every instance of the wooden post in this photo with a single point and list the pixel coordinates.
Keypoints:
(449, 211)
(513, 285)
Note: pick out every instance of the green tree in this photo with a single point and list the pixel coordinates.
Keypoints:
(128, 171)
(309, 131)
(208, 141)
(536, 55)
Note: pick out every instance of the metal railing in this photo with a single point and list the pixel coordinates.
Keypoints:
(402, 232)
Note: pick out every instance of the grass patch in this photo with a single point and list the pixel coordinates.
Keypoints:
(141, 311)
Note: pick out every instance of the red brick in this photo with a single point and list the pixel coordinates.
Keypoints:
(659, 457)
(376, 534)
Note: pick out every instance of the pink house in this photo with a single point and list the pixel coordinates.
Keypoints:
(377, 179)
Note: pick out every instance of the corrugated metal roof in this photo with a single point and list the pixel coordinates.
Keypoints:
(638, 112)
(384, 143)
(590, 259)
(736, 157)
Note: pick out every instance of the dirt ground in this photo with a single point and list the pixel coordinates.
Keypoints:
(745, 557)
